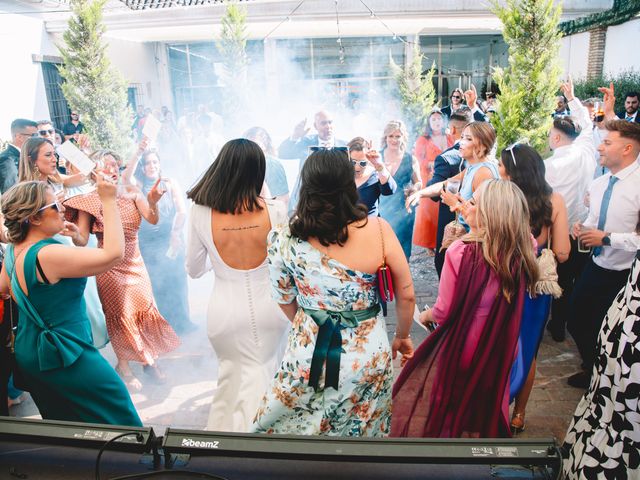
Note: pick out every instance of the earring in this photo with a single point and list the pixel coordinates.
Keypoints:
(36, 170)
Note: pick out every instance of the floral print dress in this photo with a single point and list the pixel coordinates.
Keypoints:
(361, 406)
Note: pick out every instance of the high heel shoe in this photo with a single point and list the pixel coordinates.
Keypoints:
(130, 380)
(154, 372)
(517, 423)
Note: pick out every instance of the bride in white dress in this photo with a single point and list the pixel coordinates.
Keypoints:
(228, 230)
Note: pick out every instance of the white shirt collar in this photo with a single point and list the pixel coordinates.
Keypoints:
(626, 171)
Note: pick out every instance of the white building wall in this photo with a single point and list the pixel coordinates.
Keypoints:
(574, 54)
(22, 93)
(142, 64)
(621, 52)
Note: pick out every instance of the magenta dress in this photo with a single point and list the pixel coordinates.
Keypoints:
(457, 383)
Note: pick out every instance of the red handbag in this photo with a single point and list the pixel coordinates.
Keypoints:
(385, 284)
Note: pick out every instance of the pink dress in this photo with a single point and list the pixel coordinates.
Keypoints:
(457, 383)
(137, 330)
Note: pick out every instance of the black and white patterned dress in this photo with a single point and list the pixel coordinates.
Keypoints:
(603, 440)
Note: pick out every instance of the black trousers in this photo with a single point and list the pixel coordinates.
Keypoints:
(568, 274)
(593, 294)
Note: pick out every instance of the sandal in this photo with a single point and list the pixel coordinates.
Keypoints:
(517, 423)
(155, 373)
(130, 380)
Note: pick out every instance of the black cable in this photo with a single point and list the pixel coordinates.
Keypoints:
(139, 438)
(188, 473)
(561, 460)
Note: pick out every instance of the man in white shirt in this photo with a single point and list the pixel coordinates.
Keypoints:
(613, 210)
(569, 171)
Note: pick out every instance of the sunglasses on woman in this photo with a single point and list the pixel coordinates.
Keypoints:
(55, 205)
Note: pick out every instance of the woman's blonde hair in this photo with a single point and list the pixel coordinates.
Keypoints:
(21, 202)
(484, 136)
(27, 169)
(391, 127)
(504, 230)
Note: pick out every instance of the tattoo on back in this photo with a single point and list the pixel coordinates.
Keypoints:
(235, 229)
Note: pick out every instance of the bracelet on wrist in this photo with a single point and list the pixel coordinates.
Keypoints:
(402, 337)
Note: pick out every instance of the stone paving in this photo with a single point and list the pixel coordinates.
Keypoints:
(184, 401)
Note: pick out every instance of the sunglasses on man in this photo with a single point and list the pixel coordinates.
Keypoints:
(42, 133)
(339, 149)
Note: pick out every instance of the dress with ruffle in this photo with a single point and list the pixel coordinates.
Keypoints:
(137, 330)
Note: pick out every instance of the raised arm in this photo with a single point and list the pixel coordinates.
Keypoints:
(130, 167)
(61, 261)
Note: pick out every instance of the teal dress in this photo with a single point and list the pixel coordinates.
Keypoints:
(67, 377)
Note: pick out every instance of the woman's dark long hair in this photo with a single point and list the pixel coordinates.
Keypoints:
(233, 182)
(528, 174)
(328, 199)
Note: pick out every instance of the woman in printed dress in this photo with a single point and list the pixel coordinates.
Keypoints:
(603, 438)
(137, 330)
(323, 273)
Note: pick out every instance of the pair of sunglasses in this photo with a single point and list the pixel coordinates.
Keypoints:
(362, 163)
(45, 132)
(339, 149)
(56, 205)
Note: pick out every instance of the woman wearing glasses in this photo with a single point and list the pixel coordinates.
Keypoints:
(457, 383)
(405, 170)
(371, 176)
(548, 219)
(66, 375)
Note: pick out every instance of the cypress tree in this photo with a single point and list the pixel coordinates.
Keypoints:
(415, 91)
(232, 47)
(529, 85)
(92, 86)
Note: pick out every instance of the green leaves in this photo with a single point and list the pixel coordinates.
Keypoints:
(92, 86)
(415, 91)
(232, 47)
(528, 86)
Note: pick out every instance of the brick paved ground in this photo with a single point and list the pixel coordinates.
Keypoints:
(192, 369)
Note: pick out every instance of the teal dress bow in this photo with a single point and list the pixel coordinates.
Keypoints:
(329, 342)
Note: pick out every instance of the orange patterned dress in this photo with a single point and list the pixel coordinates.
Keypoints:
(426, 227)
(137, 330)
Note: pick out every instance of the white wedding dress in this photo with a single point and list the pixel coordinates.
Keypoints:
(246, 327)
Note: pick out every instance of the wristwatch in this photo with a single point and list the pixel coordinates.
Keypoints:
(606, 240)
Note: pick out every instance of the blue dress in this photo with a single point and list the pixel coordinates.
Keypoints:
(168, 275)
(371, 190)
(466, 187)
(67, 377)
(393, 210)
(535, 312)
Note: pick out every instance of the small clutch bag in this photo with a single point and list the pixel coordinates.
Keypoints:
(385, 284)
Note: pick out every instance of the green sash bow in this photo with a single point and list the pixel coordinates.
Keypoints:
(329, 341)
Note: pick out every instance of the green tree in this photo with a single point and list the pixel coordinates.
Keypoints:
(232, 47)
(529, 85)
(415, 91)
(92, 86)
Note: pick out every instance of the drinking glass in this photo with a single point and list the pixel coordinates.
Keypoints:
(453, 186)
(581, 247)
